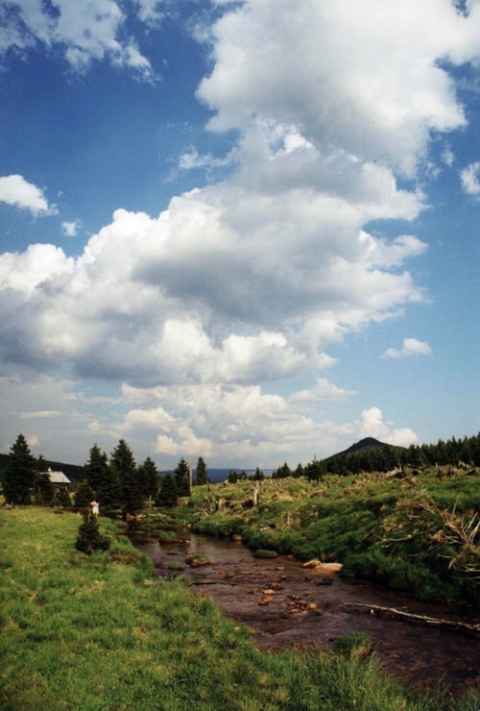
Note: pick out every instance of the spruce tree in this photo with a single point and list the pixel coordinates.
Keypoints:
(62, 498)
(298, 471)
(89, 537)
(167, 494)
(182, 478)
(149, 478)
(19, 475)
(44, 491)
(201, 476)
(131, 491)
(108, 491)
(84, 496)
(282, 472)
(96, 469)
(103, 480)
(259, 475)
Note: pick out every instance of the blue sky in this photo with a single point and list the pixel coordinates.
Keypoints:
(247, 231)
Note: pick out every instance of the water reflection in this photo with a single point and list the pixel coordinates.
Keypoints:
(217, 550)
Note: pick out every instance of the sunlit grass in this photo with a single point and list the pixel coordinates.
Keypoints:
(93, 633)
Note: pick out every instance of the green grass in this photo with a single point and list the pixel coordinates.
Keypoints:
(99, 633)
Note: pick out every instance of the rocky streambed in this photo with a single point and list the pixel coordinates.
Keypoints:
(289, 606)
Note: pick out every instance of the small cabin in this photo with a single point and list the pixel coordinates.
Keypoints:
(58, 479)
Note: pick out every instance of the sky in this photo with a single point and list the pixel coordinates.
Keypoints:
(246, 230)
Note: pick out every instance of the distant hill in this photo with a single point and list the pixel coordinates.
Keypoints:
(365, 443)
(368, 454)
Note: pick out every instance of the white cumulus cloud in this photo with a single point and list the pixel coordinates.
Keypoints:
(411, 347)
(16, 191)
(364, 76)
(372, 424)
(251, 280)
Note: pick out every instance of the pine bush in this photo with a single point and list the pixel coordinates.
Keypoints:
(89, 537)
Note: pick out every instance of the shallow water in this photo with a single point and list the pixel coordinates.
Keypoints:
(307, 608)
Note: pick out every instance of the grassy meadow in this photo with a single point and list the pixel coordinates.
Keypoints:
(100, 633)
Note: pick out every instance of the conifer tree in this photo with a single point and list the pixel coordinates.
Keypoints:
(84, 495)
(298, 471)
(108, 491)
(103, 479)
(123, 465)
(96, 469)
(89, 537)
(259, 475)
(182, 478)
(282, 472)
(44, 491)
(149, 478)
(19, 475)
(62, 497)
(201, 476)
(167, 494)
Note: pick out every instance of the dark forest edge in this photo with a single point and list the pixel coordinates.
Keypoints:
(368, 455)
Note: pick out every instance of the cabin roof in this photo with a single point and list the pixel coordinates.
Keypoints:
(58, 477)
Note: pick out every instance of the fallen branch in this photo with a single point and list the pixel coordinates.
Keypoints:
(411, 617)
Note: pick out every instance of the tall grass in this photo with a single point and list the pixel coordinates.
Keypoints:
(99, 633)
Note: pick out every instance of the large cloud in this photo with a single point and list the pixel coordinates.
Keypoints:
(254, 278)
(227, 285)
(362, 76)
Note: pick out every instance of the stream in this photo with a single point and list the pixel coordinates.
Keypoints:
(288, 606)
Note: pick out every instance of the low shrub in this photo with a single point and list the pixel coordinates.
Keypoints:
(89, 537)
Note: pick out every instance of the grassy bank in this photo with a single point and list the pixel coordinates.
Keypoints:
(418, 532)
(99, 633)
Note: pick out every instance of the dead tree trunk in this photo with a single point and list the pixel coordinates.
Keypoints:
(411, 617)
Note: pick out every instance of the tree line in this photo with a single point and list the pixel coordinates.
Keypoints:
(119, 484)
(116, 482)
(451, 452)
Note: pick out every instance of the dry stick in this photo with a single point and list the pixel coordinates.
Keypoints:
(410, 617)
